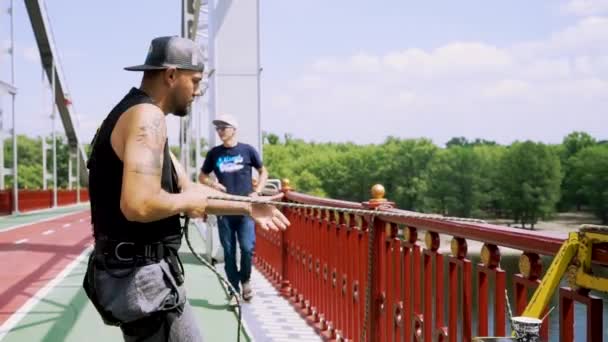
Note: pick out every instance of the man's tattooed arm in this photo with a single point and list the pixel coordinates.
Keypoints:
(151, 137)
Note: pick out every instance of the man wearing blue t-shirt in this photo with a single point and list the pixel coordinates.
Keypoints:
(232, 164)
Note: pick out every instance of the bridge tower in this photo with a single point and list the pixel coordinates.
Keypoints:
(228, 33)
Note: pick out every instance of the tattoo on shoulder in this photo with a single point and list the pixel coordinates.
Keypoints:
(151, 137)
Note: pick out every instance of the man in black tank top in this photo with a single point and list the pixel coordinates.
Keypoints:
(138, 190)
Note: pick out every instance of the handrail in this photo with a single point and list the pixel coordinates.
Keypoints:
(516, 238)
(371, 280)
(309, 199)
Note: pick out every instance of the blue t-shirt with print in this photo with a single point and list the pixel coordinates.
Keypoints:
(232, 167)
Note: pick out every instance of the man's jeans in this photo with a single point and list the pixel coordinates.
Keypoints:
(231, 227)
(141, 293)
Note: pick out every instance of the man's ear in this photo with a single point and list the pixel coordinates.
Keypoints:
(170, 75)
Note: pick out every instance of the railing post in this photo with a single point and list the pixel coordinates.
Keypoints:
(285, 284)
(490, 267)
(530, 268)
(377, 314)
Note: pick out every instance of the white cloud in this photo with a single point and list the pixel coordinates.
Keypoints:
(365, 63)
(586, 7)
(406, 97)
(507, 89)
(544, 69)
(407, 60)
(308, 82)
(459, 88)
(588, 33)
(326, 64)
(31, 54)
(471, 56)
(583, 65)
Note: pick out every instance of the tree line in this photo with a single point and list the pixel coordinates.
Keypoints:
(525, 181)
(29, 158)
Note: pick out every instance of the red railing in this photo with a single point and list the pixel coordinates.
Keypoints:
(39, 199)
(321, 263)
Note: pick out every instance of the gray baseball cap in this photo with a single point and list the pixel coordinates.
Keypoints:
(174, 51)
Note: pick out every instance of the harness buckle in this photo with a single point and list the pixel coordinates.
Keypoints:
(117, 255)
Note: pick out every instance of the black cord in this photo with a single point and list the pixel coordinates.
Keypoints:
(221, 278)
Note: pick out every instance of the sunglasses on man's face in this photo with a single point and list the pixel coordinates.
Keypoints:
(221, 128)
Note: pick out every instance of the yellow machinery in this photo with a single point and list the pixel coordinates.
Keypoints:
(574, 260)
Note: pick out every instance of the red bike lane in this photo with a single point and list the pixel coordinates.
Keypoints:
(34, 254)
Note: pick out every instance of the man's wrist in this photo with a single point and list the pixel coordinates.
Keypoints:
(182, 204)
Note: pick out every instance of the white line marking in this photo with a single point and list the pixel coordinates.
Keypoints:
(17, 316)
(2, 230)
(18, 242)
(48, 210)
(50, 231)
(81, 220)
(67, 225)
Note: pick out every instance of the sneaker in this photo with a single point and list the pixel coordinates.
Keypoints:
(247, 291)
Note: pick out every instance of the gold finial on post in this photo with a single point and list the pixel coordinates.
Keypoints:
(286, 184)
(378, 199)
(378, 193)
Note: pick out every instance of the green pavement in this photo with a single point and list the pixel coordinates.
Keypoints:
(31, 217)
(65, 314)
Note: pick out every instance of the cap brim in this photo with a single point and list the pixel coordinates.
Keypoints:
(144, 67)
(222, 122)
(219, 122)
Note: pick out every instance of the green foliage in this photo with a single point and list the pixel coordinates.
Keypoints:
(572, 187)
(29, 159)
(467, 178)
(590, 168)
(464, 142)
(529, 178)
(270, 138)
(476, 178)
(576, 141)
(453, 182)
(401, 167)
(490, 197)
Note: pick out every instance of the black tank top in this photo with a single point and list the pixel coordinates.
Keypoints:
(105, 183)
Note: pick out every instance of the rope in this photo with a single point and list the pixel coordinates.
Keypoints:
(346, 210)
(370, 278)
(221, 278)
(371, 235)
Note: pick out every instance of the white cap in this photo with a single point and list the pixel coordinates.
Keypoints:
(226, 119)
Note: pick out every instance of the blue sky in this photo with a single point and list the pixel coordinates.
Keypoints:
(357, 70)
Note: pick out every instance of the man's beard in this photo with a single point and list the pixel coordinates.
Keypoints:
(182, 111)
